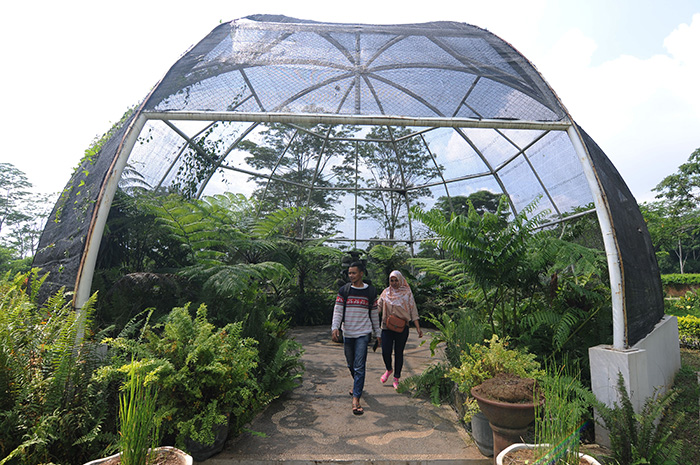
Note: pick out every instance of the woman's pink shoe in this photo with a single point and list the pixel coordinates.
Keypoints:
(386, 375)
(396, 383)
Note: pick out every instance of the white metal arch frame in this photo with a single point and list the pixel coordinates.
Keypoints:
(84, 281)
(262, 70)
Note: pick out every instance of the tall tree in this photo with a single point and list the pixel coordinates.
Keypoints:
(23, 235)
(676, 237)
(396, 163)
(22, 213)
(14, 189)
(482, 201)
(673, 220)
(296, 157)
(682, 189)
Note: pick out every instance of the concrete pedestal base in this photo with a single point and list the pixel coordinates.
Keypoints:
(648, 367)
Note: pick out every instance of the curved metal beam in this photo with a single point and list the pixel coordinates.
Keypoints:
(609, 240)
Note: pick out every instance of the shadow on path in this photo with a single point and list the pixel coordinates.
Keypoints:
(314, 422)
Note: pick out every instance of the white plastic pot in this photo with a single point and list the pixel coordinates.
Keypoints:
(185, 459)
(519, 446)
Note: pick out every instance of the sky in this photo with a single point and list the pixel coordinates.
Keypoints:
(627, 70)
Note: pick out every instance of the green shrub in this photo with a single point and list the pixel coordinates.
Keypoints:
(458, 330)
(482, 362)
(432, 383)
(689, 326)
(685, 278)
(204, 374)
(689, 304)
(689, 331)
(51, 410)
(640, 438)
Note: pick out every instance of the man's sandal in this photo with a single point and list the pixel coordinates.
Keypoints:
(358, 410)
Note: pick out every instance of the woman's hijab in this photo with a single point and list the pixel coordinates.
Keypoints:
(401, 297)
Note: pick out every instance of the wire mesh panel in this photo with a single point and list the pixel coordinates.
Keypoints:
(357, 123)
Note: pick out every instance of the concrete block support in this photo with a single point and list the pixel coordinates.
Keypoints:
(648, 368)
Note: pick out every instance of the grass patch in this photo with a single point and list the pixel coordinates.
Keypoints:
(688, 403)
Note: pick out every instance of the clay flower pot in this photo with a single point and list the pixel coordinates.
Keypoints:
(180, 457)
(502, 458)
(509, 420)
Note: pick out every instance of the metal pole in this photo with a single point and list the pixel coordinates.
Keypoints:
(609, 240)
(84, 283)
(362, 120)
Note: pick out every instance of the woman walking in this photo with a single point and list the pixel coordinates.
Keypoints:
(397, 308)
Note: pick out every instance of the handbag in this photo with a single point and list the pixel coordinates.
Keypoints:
(396, 324)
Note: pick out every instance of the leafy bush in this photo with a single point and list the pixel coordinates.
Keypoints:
(312, 308)
(490, 251)
(685, 278)
(640, 438)
(689, 331)
(547, 294)
(458, 330)
(204, 374)
(482, 362)
(432, 383)
(689, 304)
(51, 410)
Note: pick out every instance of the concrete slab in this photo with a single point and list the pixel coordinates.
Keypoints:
(314, 423)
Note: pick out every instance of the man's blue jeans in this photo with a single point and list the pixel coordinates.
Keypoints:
(356, 356)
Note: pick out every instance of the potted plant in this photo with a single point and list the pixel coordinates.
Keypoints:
(206, 377)
(558, 424)
(508, 402)
(526, 454)
(482, 362)
(139, 427)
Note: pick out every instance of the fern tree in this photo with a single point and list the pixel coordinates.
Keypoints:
(308, 293)
(542, 291)
(573, 301)
(488, 251)
(390, 258)
(229, 248)
(241, 261)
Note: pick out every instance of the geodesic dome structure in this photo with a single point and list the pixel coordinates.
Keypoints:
(358, 123)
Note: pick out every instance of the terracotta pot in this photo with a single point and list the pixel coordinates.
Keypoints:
(509, 421)
(501, 457)
(185, 459)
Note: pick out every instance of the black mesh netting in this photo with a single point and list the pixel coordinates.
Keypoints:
(643, 295)
(358, 123)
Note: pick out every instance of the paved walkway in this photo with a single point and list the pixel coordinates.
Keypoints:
(314, 423)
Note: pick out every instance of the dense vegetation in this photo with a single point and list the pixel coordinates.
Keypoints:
(220, 279)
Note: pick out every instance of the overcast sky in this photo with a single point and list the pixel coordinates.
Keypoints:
(627, 70)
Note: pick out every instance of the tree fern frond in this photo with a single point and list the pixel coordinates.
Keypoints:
(276, 221)
(233, 279)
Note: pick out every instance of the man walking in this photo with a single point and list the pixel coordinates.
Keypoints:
(356, 309)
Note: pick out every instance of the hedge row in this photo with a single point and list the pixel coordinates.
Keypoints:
(676, 279)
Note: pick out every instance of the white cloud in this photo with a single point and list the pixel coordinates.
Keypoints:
(70, 76)
(644, 113)
(683, 42)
